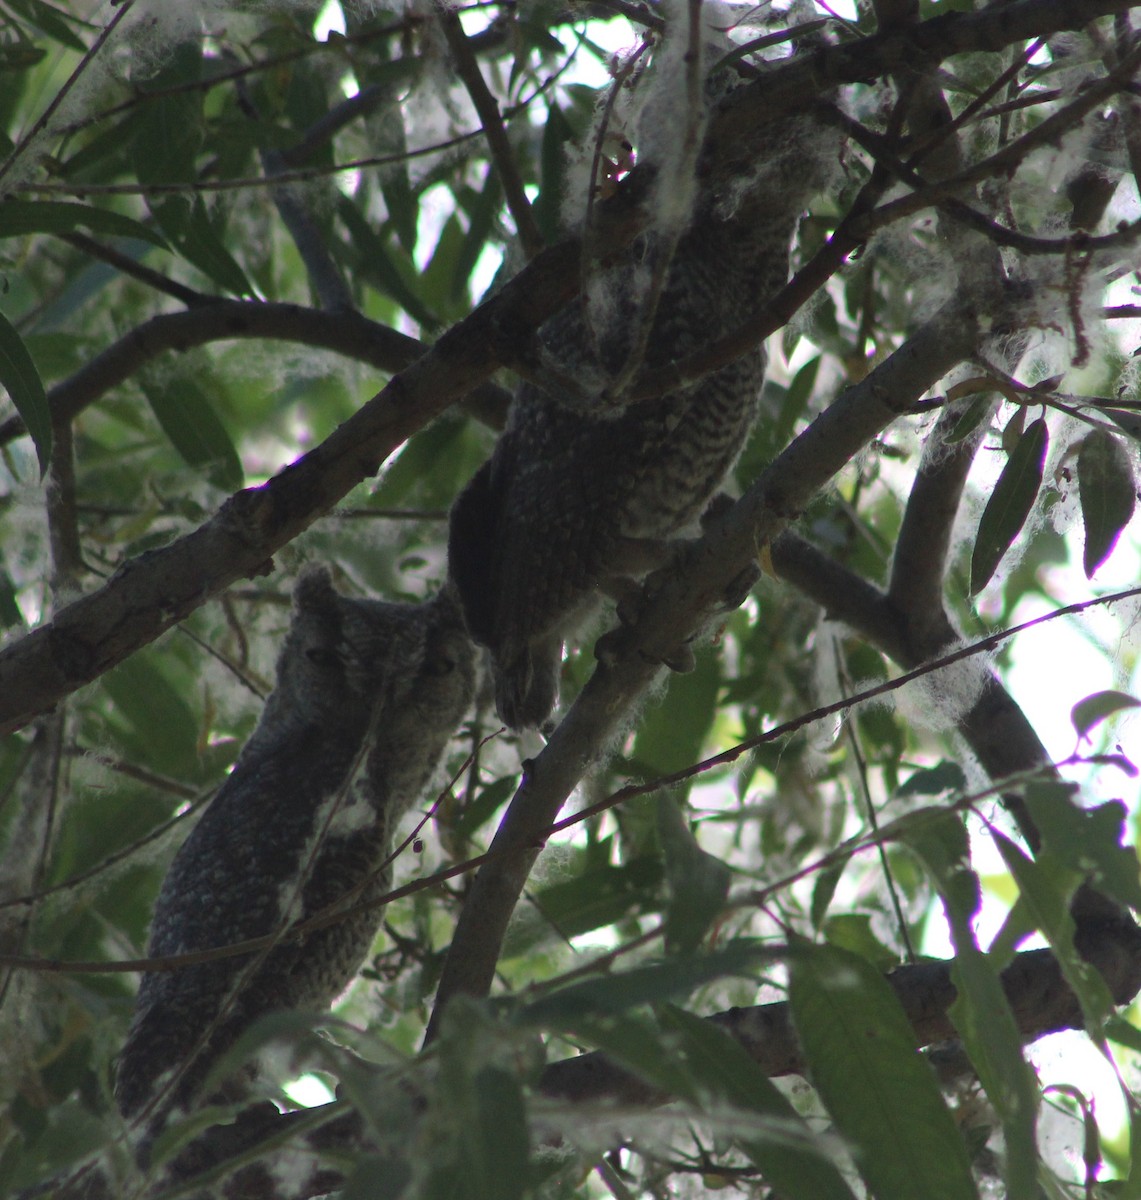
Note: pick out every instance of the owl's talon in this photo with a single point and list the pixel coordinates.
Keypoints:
(740, 586)
(681, 659)
(609, 646)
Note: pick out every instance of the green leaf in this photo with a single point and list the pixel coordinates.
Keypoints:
(934, 781)
(614, 994)
(698, 882)
(50, 20)
(18, 217)
(969, 419)
(485, 805)
(499, 1140)
(1009, 504)
(981, 1012)
(791, 1158)
(201, 245)
(19, 376)
(1090, 712)
(189, 420)
(557, 133)
(378, 265)
(477, 1108)
(882, 1095)
(1046, 886)
(170, 130)
(1087, 839)
(428, 470)
(436, 278)
(481, 221)
(824, 889)
(634, 1041)
(672, 733)
(10, 614)
(20, 56)
(1125, 419)
(853, 931)
(162, 727)
(600, 897)
(1108, 495)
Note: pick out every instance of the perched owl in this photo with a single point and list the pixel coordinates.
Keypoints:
(575, 495)
(296, 828)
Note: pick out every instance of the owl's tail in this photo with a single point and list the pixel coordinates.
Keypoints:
(527, 682)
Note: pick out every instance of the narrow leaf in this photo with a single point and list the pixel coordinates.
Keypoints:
(19, 376)
(1046, 887)
(698, 882)
(599, 896)
(57, 216)
(634, 1041)
(1107, 491)
(671, 735)
(51, 21)
(1090, 712)
(379, 266)
(481, 218)
(1009, 504)
(882, 1095)
(557, 133)
(189, 420)
(10, 614)
(981, 1012)
(1125, 419)
(969, 419)
(201, 245)
(670, 980)
(934, 781)
(498, 1141)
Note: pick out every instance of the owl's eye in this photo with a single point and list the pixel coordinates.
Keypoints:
(327, 660)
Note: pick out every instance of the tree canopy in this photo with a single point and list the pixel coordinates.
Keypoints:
(271, 275)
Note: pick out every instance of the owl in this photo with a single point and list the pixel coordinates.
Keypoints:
(367, 696)
(579, 495)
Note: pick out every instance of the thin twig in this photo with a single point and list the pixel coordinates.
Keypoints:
(494, 130)
(137, 270)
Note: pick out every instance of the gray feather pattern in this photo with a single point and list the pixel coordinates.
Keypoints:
(358, 682)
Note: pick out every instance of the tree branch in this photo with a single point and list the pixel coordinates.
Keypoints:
(137, 270)
(491, 119)
(897, 50)
(346, 333)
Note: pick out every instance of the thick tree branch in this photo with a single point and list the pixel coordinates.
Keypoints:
(1039, 997)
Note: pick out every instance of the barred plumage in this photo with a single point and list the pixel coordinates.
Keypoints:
(571, 491)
